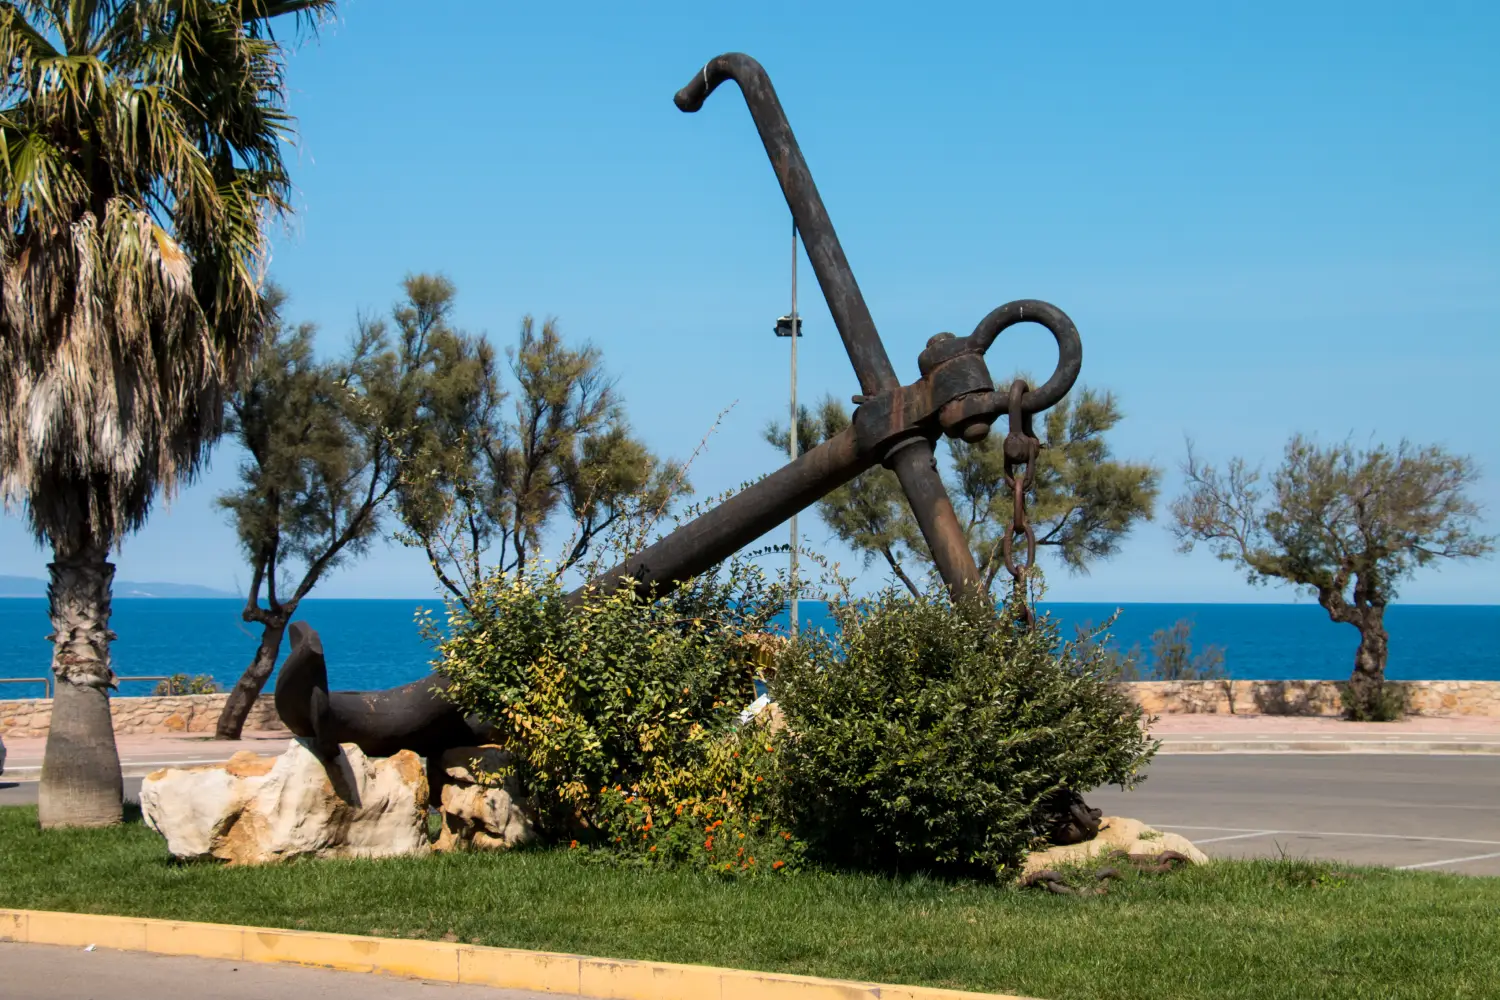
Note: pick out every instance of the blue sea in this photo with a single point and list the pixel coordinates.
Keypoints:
(375, 644)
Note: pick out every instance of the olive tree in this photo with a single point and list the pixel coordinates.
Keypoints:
(1345, 523)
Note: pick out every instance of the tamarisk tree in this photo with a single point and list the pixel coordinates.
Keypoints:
(321, 465)
(560, 453)
(1347, 524)
(1082, 502)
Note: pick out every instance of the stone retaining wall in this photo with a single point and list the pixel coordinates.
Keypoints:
(189, 713)
(197, 713)
(1430, 698)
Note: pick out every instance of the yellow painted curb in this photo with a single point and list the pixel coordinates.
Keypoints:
(508, 968)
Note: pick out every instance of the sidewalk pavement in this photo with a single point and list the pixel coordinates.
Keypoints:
(1204, 733)
(140, 755)
(1197, 733)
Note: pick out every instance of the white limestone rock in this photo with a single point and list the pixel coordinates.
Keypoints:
(254, 810)
(482, 805)
(1115, 833)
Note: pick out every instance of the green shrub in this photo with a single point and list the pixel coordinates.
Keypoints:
(179, 684)
(622, 713)
(928, 737)
(1389, 704)
(1171, 658)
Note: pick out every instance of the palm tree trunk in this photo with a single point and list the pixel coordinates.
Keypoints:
(81, 784)
(252, 681)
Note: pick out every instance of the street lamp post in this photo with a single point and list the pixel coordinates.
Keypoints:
(791, 328)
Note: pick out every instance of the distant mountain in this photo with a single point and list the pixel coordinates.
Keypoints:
(27, 586)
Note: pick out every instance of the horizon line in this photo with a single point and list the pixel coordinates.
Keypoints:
(805, 600)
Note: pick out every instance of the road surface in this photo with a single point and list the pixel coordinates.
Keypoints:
(44, 972)
(1435, 812)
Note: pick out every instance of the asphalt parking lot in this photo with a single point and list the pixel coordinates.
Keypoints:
(1420, 811)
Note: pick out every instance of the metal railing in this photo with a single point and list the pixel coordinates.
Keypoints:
(45, 682)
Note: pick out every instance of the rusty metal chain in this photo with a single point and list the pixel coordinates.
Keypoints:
(1021, 449)
(1143, 864)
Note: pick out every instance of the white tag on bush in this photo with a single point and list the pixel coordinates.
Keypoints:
(755, 708)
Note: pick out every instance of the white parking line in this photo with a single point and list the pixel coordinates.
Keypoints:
(1328, 833)
(1450, 861)
(1236, 836)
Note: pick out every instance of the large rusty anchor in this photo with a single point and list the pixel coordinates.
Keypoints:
(894, 425)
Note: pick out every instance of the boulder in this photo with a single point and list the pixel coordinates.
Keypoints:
(482, 805)
(1115, 833)
(253, 809)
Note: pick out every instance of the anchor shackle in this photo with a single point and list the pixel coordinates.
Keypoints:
(959, 375)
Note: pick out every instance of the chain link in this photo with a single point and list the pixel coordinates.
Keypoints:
(1021, 449)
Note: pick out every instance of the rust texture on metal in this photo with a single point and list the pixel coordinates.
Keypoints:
(1021, 449)
(893, 425)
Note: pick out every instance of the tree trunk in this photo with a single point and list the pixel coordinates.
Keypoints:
(890, 557)
(252, 681)
(81, 784)
(1367, 683)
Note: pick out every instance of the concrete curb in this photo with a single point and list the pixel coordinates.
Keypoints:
(1327, 746)
(506, 968)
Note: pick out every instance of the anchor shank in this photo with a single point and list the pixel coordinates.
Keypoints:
(914, 467)
(711, 538)
(845, 301)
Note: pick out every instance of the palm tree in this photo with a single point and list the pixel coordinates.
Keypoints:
(140, 158)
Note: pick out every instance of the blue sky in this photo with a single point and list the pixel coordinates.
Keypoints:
(1264, 219)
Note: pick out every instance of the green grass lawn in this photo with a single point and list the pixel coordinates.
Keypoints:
(1231, 930)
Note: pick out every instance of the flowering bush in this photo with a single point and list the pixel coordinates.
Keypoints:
(183, 684)
(621, 713)
(730, 829)
(929, 736)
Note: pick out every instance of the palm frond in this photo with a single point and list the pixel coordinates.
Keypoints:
(141, 151)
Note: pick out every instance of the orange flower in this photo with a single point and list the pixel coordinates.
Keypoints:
(741, 835)
(653, 847)
(572, 845)
(785, 835)
(777, 864)
(752, 861)
(759, 778)
(679, 810)
(708, 844)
